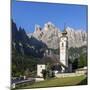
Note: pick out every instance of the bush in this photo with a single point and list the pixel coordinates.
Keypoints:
(48, 74)
(44, 72)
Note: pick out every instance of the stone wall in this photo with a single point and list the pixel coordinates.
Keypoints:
(61, 75)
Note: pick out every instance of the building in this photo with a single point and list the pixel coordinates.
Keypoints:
(64, 51)
(40, 67)
(62, 64)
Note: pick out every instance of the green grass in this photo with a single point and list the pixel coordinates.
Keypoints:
(57, 82)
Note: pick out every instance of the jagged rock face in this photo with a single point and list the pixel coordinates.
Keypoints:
(76, 38)
(38, 32)
(50, 35)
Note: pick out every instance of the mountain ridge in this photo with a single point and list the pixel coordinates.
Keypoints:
(50, 34)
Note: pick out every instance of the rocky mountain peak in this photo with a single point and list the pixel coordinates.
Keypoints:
(37, 29)
(48, 26)
(50, 35)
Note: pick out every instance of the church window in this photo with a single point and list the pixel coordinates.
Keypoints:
(62, 44)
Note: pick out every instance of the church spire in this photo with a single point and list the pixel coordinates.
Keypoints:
(64, 32)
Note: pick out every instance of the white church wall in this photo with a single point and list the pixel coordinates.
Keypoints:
(40, 67)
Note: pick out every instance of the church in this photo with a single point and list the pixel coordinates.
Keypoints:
(65, 66)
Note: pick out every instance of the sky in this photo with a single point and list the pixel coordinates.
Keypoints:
(28, 14)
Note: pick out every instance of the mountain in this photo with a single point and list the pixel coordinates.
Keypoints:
(76, 38)
(50, 34)
(25, 45)
(42, 46)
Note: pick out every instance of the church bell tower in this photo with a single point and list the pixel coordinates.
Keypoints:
(64, 51)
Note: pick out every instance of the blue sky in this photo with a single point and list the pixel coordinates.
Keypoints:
(27, 14)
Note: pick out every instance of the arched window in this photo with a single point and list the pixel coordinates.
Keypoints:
(62, 44)
(40, 66)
